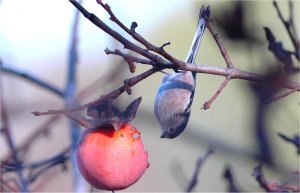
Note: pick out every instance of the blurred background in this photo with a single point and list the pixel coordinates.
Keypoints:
(35, 38)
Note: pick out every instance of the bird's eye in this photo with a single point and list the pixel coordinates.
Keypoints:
(171, 130)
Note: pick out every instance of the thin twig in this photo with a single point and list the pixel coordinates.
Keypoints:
(295, 140)
(5, 184)
(26, 144)
(207, 104)
(287, 26)
(193, 182)
(220, 44)
(260, 177)
(127, 44)
(282, 95)
(39, 168)
(228, 175)
(44, 180)
(33, 166)
(139, 38)
(5, 129)
(138, 60)
(272, 186)
(112, 95)
(292, 25)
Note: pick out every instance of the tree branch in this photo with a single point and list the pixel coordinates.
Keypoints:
(193, 182)
(6, 187)
(32, 79)
(139, 38)
(234, 73)
(228, 175)
(26, 144)
(127, 44)
(70, 90)
(282, 95)
(159, 63)
(112, 95)
(207, 104)
(288, 26)
(220, 44)
(5, 129)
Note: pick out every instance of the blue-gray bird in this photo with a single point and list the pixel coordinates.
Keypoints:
(175, 95)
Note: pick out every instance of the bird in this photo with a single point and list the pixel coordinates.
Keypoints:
(172, 106)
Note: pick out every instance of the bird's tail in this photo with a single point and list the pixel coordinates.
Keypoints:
(204, 13)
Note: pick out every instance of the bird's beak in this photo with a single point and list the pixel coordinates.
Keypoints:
(163, 135)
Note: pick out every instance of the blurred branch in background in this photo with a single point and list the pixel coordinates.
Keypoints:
(5, 130)
(70, 89)
(290, 27)
(40, 169)
(267, 91)
(295, 140)
(25, 146)
(228, 175)
(32, 79)
(194, 180)
(272, 186)
(263, 92)
(281, 54)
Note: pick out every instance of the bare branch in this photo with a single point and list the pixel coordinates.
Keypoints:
(32, 79)
(232, 72)
(112, 95)
(154, 59)
(207, 104)
(282, 95)
(280, 52)
(220, 44)
(6, 187)
(193, 182)
(288, 25)
(70, 90)
(200, 68)
(5, 129)
(293, 140)
(260, 177)
(272, 186)
(228, 175)
(127, 44)
(139, 38)
(26, 144)
(128, 57)
(39, 168)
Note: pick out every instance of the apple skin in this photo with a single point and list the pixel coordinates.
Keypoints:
(111, 160)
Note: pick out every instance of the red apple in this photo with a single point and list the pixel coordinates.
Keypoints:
(109, 159)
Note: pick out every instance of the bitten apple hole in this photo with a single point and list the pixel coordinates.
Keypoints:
(135, 135)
